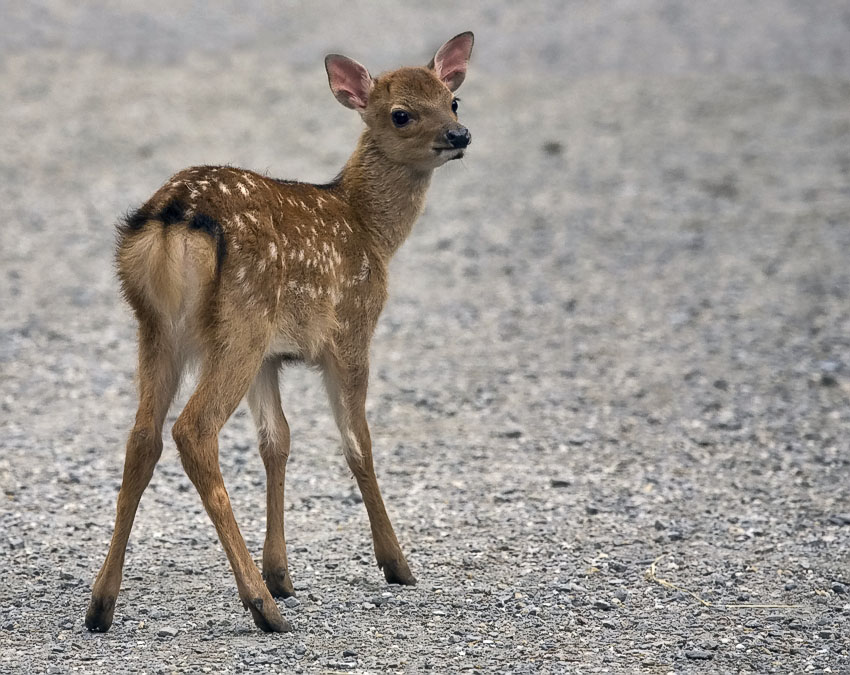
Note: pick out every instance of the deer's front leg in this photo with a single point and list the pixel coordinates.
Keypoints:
(273, 435)
(346, 385)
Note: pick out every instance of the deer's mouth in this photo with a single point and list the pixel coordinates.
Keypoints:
(457, 153)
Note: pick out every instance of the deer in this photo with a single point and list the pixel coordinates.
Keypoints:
(241, 274)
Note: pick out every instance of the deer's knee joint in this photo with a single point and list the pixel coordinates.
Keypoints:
(182, 433)
(274, 449)
(190, 432)
(216, 499)
(274, 439)
(351, 450)
(191, 438)
(145, 441)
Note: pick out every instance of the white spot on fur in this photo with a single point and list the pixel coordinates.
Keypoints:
(242, 189)
(272, 250)
(252, 218)
(223, 188)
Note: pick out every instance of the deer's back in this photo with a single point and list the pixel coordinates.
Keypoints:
(224, 247)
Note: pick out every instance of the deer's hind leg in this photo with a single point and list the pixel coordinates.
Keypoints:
(226, 374)
(160, 366)
(273, 434)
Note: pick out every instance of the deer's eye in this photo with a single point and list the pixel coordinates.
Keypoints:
(454, 105)
(400, 117)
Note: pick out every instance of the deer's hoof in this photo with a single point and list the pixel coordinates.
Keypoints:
(267, 617)
(397, 572)
(279, 583)
(99, 614)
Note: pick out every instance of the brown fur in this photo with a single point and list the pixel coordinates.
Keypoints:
(243, 272)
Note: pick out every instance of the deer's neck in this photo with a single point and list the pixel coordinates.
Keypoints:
(385, 196)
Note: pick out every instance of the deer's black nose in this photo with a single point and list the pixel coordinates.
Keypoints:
(458, 138)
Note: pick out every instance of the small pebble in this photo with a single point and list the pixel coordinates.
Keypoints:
(699, 654)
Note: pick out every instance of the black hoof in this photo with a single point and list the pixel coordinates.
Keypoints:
(99, 614)
(397, 572)
(270, 620)
(279, 584)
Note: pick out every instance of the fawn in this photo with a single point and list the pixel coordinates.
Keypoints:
(243, 273)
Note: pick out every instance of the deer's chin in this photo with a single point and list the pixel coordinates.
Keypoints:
(443, 155)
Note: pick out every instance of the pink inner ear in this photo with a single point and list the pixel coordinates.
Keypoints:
(450, 61)
(350, 81)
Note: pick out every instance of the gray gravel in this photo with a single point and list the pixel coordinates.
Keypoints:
(611, 390)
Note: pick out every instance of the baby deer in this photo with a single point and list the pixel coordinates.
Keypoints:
(244, 272)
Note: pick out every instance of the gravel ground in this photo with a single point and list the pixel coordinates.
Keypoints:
(611, 390)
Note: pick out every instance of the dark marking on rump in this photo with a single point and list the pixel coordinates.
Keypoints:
(173, 212)
(209, 225)
(134, 220)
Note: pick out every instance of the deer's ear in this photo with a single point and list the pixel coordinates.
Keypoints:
(350, 81)
(450, 60)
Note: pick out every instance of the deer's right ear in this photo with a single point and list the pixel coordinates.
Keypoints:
(350, 81)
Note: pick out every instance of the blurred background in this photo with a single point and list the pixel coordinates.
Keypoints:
(620, 330)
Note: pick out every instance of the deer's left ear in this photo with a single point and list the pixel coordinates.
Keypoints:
(451, 59)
